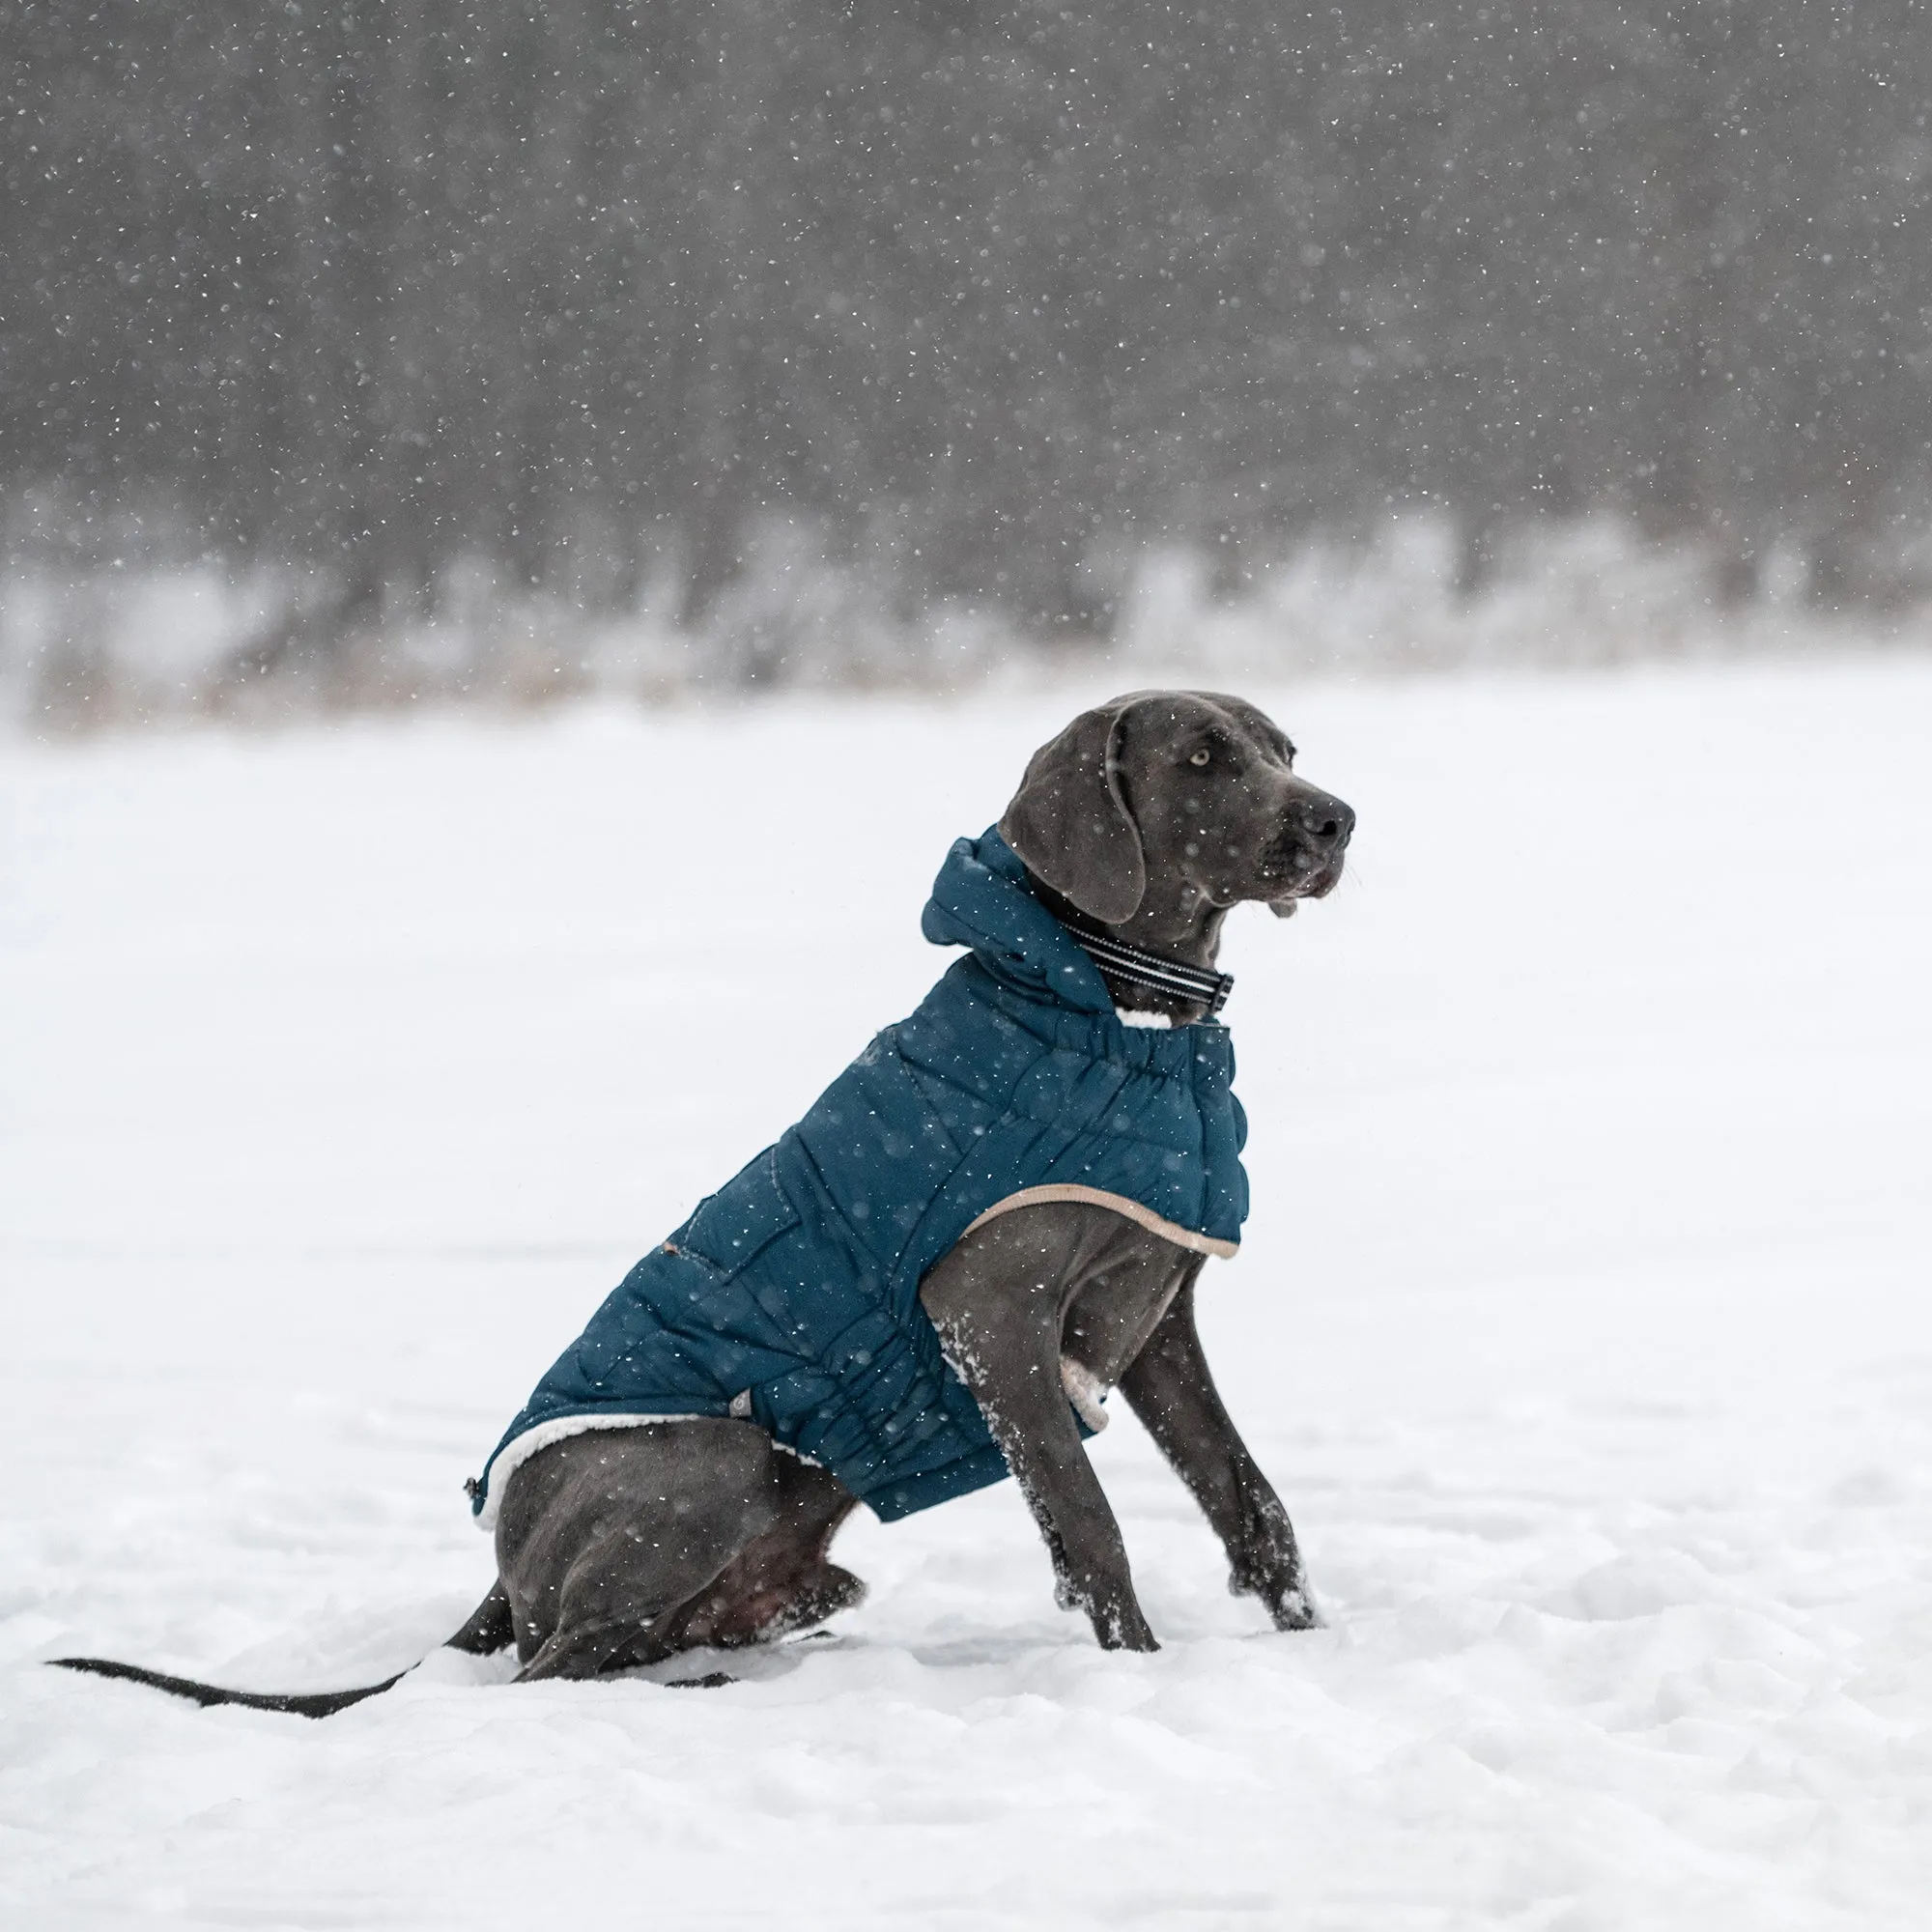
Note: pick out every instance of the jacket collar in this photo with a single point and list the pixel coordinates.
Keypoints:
(981, 899)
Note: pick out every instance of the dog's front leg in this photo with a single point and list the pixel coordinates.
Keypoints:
(998, 1310)
(1171, 1390)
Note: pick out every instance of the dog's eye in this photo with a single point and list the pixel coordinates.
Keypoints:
(1201, 757)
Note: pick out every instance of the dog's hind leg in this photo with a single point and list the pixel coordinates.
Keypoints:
(780, 1582)
(605, 1538)
(776, 1581)
(623, 1601)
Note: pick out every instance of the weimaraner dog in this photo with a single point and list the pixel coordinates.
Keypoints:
(1142, 823)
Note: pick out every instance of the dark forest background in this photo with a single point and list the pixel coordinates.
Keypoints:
(982, 294)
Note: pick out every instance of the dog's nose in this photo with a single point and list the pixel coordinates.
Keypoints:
(1322, 822)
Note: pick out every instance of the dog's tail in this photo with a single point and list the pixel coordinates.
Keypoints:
(301, 1703)
(488, 1629)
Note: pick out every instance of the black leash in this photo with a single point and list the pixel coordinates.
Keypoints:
(1155, 970)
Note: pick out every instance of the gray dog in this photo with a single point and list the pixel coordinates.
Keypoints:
(636, 1518)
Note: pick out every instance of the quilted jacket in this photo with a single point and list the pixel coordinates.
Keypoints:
(791, 1295)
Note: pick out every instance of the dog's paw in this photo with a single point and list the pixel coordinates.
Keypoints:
(1111, 1607)
(1122, 1627)
(830, 1589)
(1288, 1600)
(1293, 1608)
(1297, 1611)
(1116, 1619)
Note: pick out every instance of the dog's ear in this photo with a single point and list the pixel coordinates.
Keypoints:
(1070, 822)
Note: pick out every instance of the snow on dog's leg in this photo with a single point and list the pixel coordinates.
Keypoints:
(1170, 1388)
(997, 1303)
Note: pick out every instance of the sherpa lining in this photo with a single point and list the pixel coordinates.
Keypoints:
(1098, 1197)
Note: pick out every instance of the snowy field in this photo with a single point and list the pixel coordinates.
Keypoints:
(1583, 1325)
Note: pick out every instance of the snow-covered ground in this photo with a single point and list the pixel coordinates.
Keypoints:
(1583, 1324)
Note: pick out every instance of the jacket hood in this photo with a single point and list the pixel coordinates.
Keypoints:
(981, 899)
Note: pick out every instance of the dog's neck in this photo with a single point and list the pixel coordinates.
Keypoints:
(1180, 924)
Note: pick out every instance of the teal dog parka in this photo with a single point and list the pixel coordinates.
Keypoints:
(791, 1295)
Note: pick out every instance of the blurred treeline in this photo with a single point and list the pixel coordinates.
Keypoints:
(988, 296)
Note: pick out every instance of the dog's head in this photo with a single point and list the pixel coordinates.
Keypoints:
(1189, 788)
